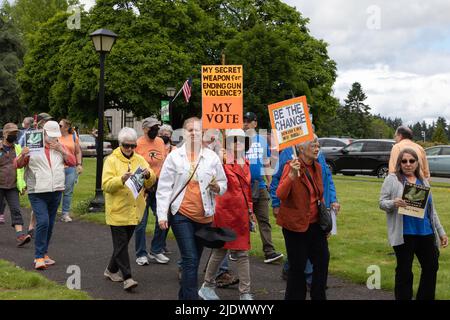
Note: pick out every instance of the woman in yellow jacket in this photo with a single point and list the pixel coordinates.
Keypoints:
(123, 210)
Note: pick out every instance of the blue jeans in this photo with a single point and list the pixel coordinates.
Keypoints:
(44, 206)
(159, 236)
(191, 251)
(71, 178)
(308, 270)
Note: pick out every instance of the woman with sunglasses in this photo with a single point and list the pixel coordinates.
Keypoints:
(234, 210)
(409, 235)
(123, 211)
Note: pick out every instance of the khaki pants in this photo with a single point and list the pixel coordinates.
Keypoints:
(243, 268)
(261, 210)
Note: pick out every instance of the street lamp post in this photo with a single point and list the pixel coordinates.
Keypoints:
(170, 91)
(103, 41)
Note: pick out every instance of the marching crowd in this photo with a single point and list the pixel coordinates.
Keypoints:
(213, 191)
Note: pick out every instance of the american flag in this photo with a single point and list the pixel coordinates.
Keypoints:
(187, 89)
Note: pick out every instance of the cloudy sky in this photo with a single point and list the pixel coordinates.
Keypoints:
(398, 50)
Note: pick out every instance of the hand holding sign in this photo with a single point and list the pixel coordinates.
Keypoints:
(295, 169)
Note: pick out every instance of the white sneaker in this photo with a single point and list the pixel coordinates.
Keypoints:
(246, 296)
(129, 284)
(159, 257)
(115, 277)
(66, 218)
(142, 261)
(207, 293)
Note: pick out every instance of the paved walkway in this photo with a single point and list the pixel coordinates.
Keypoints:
(89, 246)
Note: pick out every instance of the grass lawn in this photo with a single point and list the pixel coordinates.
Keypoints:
(18, 284)
(362, 234)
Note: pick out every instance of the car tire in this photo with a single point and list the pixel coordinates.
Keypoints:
(382, 171)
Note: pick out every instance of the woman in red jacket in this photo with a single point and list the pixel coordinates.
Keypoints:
(299, 190)
(233, 210)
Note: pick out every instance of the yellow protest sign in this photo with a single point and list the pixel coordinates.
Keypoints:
(290, 122)
(222, 97)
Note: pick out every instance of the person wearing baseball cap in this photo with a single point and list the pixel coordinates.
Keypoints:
(45, 178)
(11, 181)
(153, 149)
(234, 210)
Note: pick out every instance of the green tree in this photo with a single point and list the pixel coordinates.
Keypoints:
(355, 115)
(166, 43)
(11, 59)
(378, 129)
(440, 135)
(28, 15)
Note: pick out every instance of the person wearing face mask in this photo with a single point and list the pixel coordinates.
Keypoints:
(165, 133)
(153, 149)
(11, 180)
(45, 178)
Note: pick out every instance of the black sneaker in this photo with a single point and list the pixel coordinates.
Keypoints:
(30, 233)
(23, 239)
(273, 257)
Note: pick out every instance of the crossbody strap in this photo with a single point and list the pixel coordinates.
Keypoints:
(312, 183)
(186, 184)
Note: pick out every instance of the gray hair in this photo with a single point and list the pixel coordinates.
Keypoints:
(28, 120)
(166, 127)
(127, 134)
(305, 145)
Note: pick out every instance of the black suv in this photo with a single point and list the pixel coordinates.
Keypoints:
(365, 156)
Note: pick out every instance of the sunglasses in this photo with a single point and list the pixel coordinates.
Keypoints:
(411, 161)
(128, 146)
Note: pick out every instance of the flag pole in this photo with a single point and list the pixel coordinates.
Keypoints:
(181, 89)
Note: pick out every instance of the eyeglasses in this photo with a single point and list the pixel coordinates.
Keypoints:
(128, 146)
(411, 161)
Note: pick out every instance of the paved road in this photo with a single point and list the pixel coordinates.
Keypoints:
(89, 246)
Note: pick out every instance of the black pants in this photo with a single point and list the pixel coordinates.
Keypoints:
(120, 259)
(12, 197)
(424, 247)
(301, 246)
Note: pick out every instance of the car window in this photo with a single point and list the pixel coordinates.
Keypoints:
(445, 151)
(87, 138)
(355, 147)
(372, 146)
(386, 146)
(335, 143)
(433, 151)
(323, 143)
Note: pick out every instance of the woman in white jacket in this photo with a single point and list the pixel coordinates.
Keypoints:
(190, 179)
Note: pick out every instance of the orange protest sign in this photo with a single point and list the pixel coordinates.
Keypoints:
(222, 96)
(290, 122)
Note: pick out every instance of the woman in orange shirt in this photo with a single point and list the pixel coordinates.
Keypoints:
(69, 139)
(190, 179)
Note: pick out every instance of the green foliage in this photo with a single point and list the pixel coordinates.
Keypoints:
(11, 59)
(378, 129)
(18, 284)
(164, 44)
(440, 135)
(28, 15)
